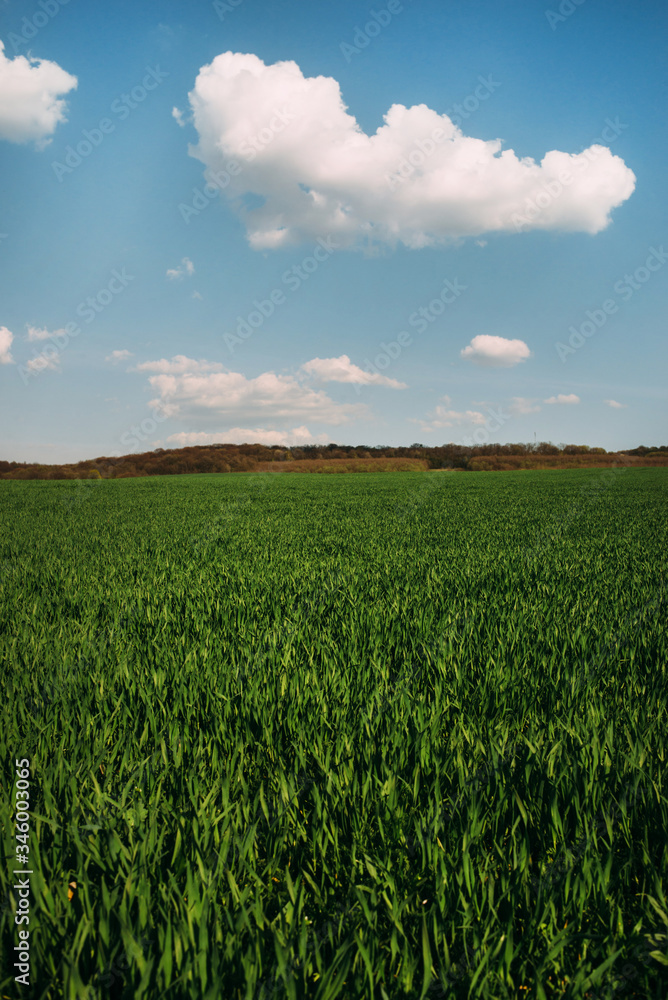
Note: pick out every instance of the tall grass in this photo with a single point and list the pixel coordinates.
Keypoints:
(369, 737)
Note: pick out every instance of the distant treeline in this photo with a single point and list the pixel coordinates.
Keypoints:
(322, 458)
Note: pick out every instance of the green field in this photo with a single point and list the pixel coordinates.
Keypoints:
(393, 735)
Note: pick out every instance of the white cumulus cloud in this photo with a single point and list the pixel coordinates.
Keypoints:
(445, 416)
(314, 171)
(520, 406)
(117, 356)
(342, 369)
(35, 333)
(243, 435)
(615, 405)
(563, 399)
(31, 105)
(203, 390)
(179, 365)
(495, 352)
(6, 338)
(185, 267)
(43, 362)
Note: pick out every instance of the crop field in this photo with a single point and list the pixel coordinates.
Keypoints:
(327, 736)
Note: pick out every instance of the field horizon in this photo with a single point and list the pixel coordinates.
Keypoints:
(226, 458)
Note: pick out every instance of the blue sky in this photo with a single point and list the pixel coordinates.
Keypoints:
(424, 289)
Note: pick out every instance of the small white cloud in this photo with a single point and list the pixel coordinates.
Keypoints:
(444, 416)
(6, 338)
(117, 356)
(30, 103)
(179, 365)
(178, 116)
(495, 352)
(563, 400)
(343, 370)
(34, 333)
(244, 435)
(186, 267)
(521, 406)
(42, 362)
(196, 295)
(615, 405)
